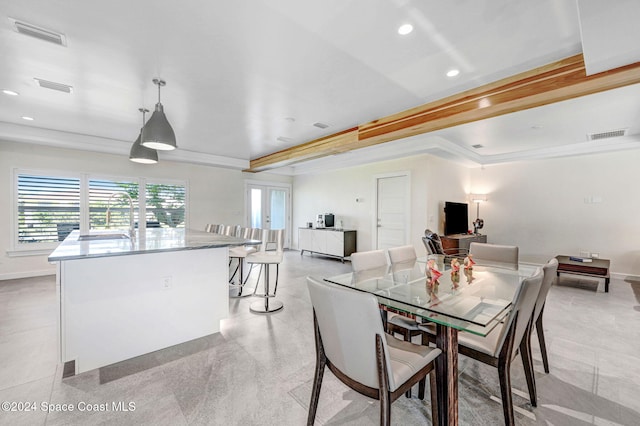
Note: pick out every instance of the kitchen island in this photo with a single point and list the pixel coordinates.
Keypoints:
(122, 297)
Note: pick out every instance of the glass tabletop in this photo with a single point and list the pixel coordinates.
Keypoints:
(474, 301)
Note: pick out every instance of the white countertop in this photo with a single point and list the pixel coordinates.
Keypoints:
(152, 240)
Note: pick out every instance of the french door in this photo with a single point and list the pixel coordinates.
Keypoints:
(269, 207)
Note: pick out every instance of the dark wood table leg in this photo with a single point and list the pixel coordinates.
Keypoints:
(447, 375)
(606, 285)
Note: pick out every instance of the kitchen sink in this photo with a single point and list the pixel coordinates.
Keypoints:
(94, 237)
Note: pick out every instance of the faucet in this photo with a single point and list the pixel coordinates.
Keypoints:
(132, 230)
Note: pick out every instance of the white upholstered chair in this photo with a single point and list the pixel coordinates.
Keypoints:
(265, 258)
(399, 323)
(402, 254)
(497, 348)
(377, 259)
(372, 259)
(351, 342)
(550, 270)
(494, 255)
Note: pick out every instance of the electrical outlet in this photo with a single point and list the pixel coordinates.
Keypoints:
(595, 255)
(167, 281)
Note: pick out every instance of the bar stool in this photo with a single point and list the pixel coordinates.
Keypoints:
(240, 253)
(266, 258)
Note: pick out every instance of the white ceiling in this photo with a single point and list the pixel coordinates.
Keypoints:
(240, 74)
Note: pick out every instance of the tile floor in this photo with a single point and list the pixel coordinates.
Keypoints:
(258, 370)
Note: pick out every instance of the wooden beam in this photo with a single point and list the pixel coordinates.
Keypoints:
(555, 82)
(328, 145)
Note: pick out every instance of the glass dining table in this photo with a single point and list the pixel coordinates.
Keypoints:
(473, 301)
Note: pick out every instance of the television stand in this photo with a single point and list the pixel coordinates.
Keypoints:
(457, 242)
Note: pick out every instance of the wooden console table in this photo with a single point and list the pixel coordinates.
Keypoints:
(456, 243)
(597, 268)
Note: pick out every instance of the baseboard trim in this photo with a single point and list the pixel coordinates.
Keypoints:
(27, 274)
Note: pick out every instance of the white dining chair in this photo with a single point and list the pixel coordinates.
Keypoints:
(402, 254)
(377, 259)
(497, 349)
(399, 323)
(351, 342)
(372, 259)
(550, 271)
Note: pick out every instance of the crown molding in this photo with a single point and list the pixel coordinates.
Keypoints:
(59, 139)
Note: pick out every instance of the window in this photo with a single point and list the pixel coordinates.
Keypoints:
(107, 195)
(165, 205)
(49, 207)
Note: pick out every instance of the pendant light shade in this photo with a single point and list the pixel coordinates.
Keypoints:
(139, 153)
(157, 133)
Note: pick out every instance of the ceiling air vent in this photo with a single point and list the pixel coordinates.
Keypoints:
(38, 32)
(321, 125)
(607, 135)
(53, 85)
(477, 146)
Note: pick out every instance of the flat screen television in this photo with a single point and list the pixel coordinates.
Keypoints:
(456, 218)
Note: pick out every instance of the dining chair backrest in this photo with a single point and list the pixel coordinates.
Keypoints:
(494, 255)
(368, 260)
(245, 233)
(276, 236)
(272, 239)
(256, 234)
(210, 227)
(402, 254)
(549, 270)
(232, 230)
(349, 321)
(523, 303)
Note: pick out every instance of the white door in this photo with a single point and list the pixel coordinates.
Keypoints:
(392, 211)
(268, 208)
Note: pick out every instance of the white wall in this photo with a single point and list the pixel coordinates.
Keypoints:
(540, 206)
(215, 195)
(433, 181)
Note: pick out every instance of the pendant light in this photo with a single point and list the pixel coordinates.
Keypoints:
(157, 133)
(139, 153)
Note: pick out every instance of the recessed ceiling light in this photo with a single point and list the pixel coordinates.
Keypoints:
(10, 92)
(320, 125)
(477, 146)
(453, 73)
(284, 139)
(290, 119)
(405, 29)
(24, 117)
